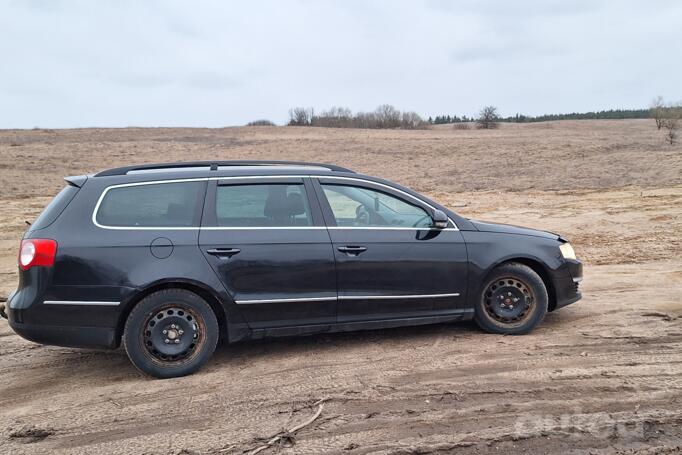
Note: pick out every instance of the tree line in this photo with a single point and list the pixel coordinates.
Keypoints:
(667, 117)
(611, 114)
(384, 116)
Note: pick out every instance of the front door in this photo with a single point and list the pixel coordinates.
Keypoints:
(267, 241)
(390, 263)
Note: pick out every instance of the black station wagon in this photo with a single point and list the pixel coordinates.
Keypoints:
(170, 258)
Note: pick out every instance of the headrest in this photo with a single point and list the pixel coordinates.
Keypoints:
(295, 204)
(276, 203)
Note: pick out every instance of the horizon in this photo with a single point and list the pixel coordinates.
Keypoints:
(425, 118)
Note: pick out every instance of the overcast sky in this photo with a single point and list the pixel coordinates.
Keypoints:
(219, 63)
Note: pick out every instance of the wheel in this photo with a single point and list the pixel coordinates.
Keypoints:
(170, 333)
(513, 300)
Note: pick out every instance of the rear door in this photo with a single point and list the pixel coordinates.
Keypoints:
(390, 263)
(266, 239)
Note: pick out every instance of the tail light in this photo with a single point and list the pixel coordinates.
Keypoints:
(37, 252)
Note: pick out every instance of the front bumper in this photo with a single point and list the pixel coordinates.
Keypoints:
(567, 287)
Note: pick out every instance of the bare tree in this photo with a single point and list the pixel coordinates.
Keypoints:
(658, 110)
(671, 123)
(487, 118)
(365, 120)
(301, 116)
(387, 116)
(336, 117)
(412, 121)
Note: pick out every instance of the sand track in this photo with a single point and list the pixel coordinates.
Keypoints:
(604, 375)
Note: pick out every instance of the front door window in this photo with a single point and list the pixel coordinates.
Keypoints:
(354, 206)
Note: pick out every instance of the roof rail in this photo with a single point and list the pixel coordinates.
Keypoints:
(213, 165)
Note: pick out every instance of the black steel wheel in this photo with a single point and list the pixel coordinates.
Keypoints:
(173, 334)
(508, 300)
(513, 301)
(170, 333)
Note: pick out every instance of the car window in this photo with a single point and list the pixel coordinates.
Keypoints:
(355, 206)
(156, 205)
(262, 205)
(54, 208)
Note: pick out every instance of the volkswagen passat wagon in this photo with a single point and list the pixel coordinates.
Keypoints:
(168, 259)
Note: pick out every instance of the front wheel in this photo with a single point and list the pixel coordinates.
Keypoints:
(170, 333)
(513, 300)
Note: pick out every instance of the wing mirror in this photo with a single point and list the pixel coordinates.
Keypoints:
(440, 219)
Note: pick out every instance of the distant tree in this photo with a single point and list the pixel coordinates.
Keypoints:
(412, 121)
(336, 117)
(658, 109)
(262, 122)
(387, 116)
(430, 120)
(487, 118)
(301, 116)
(671, 123)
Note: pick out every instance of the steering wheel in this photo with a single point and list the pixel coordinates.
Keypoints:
(418, 222)
(361, 215)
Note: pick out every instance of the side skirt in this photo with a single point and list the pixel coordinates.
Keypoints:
(452, 316)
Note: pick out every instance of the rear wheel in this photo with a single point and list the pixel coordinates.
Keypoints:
(513, 300)
(170, 333)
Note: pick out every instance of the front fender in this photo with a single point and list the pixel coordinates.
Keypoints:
(488, 250)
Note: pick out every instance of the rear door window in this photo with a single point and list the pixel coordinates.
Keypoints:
(262, 205)
(164, 205)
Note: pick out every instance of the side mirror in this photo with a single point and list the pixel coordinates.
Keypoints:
(440, 219)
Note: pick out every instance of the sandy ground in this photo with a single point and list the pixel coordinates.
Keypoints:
(601, 376)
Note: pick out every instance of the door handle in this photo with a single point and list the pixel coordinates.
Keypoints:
(352, 250)
(229, 252)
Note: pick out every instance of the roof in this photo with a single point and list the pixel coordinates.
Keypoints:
(217, 165)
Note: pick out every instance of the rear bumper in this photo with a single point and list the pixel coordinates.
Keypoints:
(567, 287)
(79, 337)
(64, 324)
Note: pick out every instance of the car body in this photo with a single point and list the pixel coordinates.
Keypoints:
(274, 248)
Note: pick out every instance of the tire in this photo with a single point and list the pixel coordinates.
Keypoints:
(170, 333)
(513, 300)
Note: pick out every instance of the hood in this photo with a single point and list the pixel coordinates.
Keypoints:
(509, 229)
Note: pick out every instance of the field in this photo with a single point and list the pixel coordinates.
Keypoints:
(601, 376)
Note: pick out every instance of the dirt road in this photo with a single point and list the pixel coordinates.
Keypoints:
(601, 376)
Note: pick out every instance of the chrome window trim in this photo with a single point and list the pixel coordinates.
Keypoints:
(216, 228)
(80, 302)
(142, 228)
(256, 228)
(390, 228)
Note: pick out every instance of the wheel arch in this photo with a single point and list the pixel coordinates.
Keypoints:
(197, 288)
(538, 267)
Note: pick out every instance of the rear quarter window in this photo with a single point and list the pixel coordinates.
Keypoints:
(175, 204)
(55, 208)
